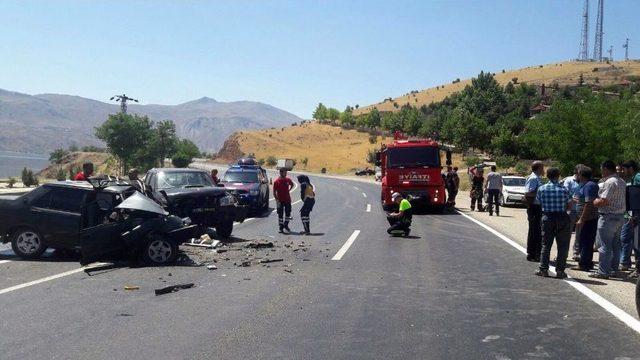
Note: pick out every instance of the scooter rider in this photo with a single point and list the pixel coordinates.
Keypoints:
(400, 221)
(308, 196)
(281, 191)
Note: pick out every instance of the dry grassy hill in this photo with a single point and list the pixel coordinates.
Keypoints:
(336, 149)
(564, 73)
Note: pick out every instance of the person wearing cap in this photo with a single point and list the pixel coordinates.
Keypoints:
(135, 181)
(282, 193)
(400, 221)
(308, 196)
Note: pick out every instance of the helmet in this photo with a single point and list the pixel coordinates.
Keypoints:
(395, 195)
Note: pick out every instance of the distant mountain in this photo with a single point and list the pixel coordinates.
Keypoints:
(41, 123)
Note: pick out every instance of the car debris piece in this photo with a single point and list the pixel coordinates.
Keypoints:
(132, 287)
(173, 288)
(204, 241)
(289, 271)
(259, 244)
(211, 267)
(245, 263)
(265, 261)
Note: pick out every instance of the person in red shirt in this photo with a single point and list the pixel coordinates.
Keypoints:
(87, 171)
(214, 177)
(281, 191)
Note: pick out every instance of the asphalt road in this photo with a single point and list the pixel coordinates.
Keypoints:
(451, 291)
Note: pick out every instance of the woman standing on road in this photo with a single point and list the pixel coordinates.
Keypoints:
(308, 196)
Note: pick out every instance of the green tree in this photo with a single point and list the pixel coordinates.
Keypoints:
(373, 119)
(320, 113)
(347, 119)
(333, 114)
(165, 140)
(125, 135)
(57, 155)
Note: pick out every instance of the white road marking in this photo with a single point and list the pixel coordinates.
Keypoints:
(346, 246)
(363, 194)
(355, 187)
(368, 207)
(620, 314)
(48, 278)
(4, 261)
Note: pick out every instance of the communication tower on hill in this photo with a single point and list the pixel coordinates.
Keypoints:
(584, 38)
(597, 49)
(625, 46)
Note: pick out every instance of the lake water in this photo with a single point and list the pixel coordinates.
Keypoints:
(12, 163)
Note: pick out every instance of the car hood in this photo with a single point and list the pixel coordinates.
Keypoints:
(515, 189)
(240, 186)
(139, 202)
(199, 191)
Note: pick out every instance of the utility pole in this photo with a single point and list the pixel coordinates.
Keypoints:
(611, 53)
(123, 101)
(626, 50)
(597, 49)
(584, 38)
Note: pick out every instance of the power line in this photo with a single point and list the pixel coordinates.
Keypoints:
(626, 49)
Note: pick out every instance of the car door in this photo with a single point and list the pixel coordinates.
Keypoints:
(102, 242)
(63, 219)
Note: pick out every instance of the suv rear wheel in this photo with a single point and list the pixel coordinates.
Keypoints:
(27, 243)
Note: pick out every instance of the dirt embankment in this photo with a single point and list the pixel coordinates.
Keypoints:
(231, 149)
(103, 163)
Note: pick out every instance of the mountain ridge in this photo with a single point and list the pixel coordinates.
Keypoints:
(43, 122)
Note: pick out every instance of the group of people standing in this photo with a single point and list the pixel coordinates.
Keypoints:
(492, 186)
(596, 211)
(282, 187)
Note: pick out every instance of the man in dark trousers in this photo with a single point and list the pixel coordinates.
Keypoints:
(308, 197)
(476, 193)
(556, 224)
(282, 192)
(534, 211)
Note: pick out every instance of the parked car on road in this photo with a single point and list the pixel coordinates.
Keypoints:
(191, 193)
(512, 190)
(101, 220)
(250, 184)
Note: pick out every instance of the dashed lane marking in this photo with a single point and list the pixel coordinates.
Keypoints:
(364, 194)
(620, 314)
(368, 207)
(346, 246)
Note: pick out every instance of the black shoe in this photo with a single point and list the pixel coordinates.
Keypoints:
(287, 229)
(543, 273)
(533, 258)
(406, 233)
(281, 231)
(561, 275)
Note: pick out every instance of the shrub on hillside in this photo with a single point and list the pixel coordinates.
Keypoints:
(323, 170)
(271, 160)
(61, 175)
(506, 161)
(28, 179)
(522, 168)
(12, 182)
(373, 139)
(180, 160)
(472, 160)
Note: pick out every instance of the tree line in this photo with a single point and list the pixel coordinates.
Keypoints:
(575, 123)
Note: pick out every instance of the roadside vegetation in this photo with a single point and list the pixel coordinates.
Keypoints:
(579, 123)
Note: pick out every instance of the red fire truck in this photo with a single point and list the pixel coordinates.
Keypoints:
(413, 168)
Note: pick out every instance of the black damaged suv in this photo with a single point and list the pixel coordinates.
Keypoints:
(191, 193)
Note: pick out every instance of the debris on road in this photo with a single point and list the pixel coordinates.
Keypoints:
(204, 241)
(212, 267)
(259, 244)
(265, 261)
(132, 287)
(173, 288)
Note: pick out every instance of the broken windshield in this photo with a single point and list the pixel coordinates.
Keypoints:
(168, 180)
(413, 157)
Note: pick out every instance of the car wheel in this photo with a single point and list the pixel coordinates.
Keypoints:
(28, 243)
(225, 229)
(159, 250)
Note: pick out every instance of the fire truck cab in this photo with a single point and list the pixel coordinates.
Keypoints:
(413, 168)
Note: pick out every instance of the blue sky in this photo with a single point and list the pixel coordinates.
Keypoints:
(291, 54)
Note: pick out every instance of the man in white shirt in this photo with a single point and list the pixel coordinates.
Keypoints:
(493, 188)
